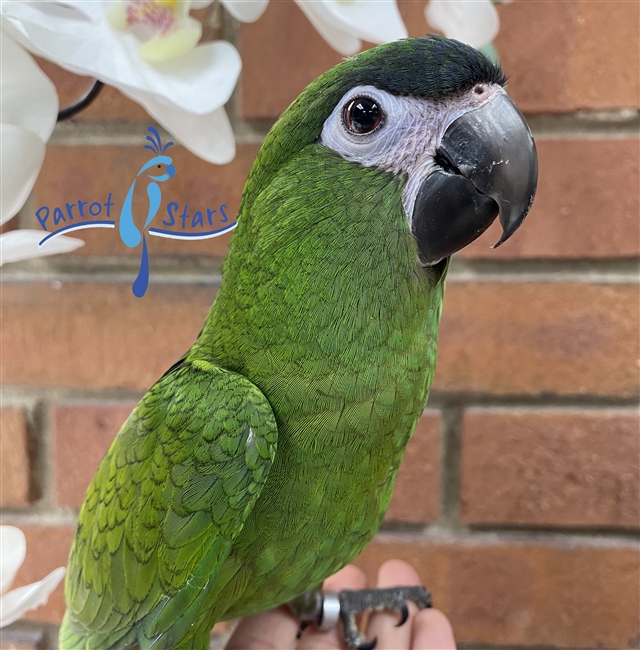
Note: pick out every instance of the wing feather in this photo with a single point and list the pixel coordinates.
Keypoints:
(166, 503)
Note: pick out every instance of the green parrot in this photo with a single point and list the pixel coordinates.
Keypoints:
(264, 460)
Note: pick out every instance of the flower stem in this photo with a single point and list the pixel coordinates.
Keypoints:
(82, 103)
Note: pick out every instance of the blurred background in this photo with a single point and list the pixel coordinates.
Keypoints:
(518, 499)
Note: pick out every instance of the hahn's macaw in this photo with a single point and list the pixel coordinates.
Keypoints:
(264, 460)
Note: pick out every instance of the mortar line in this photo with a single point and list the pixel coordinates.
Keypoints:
(506, 535)
(21, 396)
(450, 459)
(43, 470)
(204, 270)
(583, 125)
(435, 533)
(582, 402)
(495, 532)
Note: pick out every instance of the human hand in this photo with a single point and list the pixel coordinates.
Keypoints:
(277, 629)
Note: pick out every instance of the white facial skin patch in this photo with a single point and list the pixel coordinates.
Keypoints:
(407, 138)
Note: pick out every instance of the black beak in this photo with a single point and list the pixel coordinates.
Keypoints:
(489, 167)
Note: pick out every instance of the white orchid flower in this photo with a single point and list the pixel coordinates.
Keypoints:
(474, 22)
(344, 24)
(146, 49)
(28, 110)
(14, 604)
(246, 11)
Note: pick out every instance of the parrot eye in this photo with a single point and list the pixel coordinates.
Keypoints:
(362, 115)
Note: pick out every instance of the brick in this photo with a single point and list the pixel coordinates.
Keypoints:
(87, 335)
(91, 173)
(528, 594)
(14, 457)
(503, 338)
(532, 338)
(560, 57)
(535, 44)
(48, 548)
(519, 594)
(550, 468)
(605, 68)
(8, 226)
(416, 495)
(282, 35)
(82, 435)
(586, 205)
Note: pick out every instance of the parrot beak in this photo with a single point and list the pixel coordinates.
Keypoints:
(489, 167)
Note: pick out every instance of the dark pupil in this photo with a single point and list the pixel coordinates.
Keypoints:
(363, 115)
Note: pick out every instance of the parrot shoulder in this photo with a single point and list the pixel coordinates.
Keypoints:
(168, 499)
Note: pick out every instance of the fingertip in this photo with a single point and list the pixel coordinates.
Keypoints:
(397, 572)
(273, 629)
(350, 577)
(432, 631)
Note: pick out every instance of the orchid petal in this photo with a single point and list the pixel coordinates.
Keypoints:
(176, 42)
(19, 601)
(222, 73)
(28, 98)
(197, 82)
(208, 136)
(329, 28)
(246, 11)
(91, 10)
(377, 22)
(474, 22)
(13, 548)
(21, 156)
(20, 245)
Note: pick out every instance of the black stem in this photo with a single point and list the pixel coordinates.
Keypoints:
(82, 103)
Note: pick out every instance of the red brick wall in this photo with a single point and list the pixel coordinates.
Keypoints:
(518, 499)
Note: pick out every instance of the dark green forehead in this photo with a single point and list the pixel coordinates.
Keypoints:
(423, 67)
(431, 68)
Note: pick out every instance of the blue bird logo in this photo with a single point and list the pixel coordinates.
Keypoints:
(158, 169)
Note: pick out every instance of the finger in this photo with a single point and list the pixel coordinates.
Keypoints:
(348, 578)
(273, 630)
(432, 631)
(382, 624)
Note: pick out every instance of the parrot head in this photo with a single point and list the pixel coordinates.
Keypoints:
(433, 112)
(159, 168)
